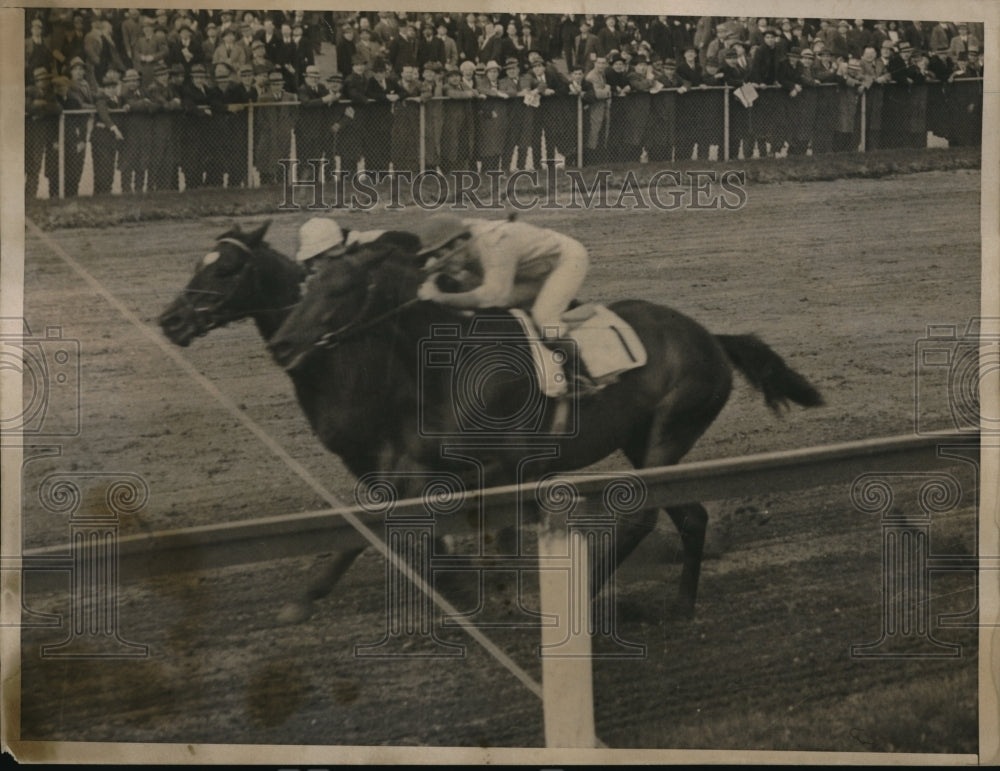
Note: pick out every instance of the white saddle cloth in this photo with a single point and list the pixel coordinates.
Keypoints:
(607, 345)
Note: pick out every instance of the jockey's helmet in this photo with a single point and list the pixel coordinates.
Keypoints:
(319, 235)
(439, 231)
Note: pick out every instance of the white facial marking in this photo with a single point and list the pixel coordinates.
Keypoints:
(209, 258)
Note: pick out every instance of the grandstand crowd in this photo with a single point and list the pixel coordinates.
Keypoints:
(169, 89)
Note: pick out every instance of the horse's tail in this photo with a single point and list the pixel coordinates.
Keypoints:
(768, 373)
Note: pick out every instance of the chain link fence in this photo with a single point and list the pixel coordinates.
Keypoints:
(75, 152)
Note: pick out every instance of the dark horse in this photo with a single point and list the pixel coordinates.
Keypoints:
(371, 401)
(359, 344)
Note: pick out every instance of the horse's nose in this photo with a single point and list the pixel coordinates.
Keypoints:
(282, 351)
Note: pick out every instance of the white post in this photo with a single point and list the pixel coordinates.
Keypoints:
(423, 137)
(567, 678)
(864, 104)
(62, 156)
(726, 128)
(250, 179)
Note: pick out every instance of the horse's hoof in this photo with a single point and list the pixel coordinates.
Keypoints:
(295, 613)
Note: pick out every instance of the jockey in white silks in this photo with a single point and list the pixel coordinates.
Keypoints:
(518, 265)
(322, 239)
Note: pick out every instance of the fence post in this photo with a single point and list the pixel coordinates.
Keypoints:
(864, 120)
(567, 677)
(423, 137)
(579, 131)
(250, 179)
(62, 156)
(725, 123)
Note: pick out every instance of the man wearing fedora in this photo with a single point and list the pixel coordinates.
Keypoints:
(41, 133)
(106, 138)
(312, 121)
(79, 96)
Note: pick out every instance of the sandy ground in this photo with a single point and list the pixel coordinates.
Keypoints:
(841, 278)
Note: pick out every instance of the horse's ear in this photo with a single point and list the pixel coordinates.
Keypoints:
(254, 237)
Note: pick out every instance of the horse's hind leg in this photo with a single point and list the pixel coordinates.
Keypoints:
(673, 432)
(691, 520)
(301, 609)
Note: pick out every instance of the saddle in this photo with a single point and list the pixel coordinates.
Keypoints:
(606, 346)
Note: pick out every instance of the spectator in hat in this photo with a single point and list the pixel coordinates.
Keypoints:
(965, 101)
(609, 38)
(273, 124)
(37, 51)
(492, 117)
(283, 57)
(962, 42)
(689, 70)
(229, 52)
(210, 42)
(458, 121)
(198, 150)
(71, 45)
(800, 106)
(271, 38)
(404, 49)
(940, 37)
(346, 48)
(433, 79)
(827, 99)
(367, 47)
(847, 135)
(585, 47)
(136, 125)
(80, 95)
(764, 65)
(494, 46)
(41, 133)
(245, 40)
(858, 38)
(734, 75)
(405, 119)
(148, 51)
(161, 139)
(185, 51)
(597, 77)
(939, 64)
(467, 34)
(258, 58)
(311, 122)
(430, 48)
(101, 54)
(509, 82)
(303, 56)
(449, 45)
(551, 88)
(106, 139)
(236, 97)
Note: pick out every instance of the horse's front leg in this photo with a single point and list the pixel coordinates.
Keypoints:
(299, 610)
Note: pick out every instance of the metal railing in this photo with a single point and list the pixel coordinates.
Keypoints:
(242, 146)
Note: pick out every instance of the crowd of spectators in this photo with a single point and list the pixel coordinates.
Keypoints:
(504, 81)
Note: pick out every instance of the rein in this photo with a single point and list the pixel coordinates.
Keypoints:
(335, 337)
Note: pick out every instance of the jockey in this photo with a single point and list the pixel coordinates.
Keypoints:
(502, 263)
(519, 265)
(321, 239)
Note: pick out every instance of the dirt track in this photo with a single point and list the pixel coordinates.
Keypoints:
(841, 278)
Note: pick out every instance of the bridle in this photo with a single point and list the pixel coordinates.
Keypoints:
(210, 315)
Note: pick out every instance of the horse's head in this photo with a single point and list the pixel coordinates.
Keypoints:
(239, 278)
(349, 296)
